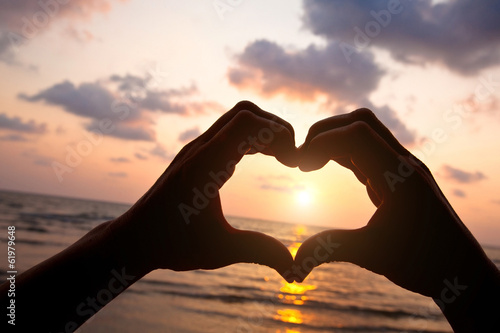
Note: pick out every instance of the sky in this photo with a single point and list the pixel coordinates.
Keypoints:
(97, 97)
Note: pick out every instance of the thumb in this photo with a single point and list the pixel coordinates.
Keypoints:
(328, 246)
(258, 248)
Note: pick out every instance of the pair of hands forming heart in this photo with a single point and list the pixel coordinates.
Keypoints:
(414, 238)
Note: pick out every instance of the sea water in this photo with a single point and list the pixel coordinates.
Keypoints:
(338, 297)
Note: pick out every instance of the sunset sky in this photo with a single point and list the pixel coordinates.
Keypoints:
(430, 70)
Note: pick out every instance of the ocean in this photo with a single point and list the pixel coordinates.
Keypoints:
(242, 298)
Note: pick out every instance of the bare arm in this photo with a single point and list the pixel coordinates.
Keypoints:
(415, 238)
(178, 224)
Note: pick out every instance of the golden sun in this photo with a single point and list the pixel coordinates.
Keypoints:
(304, 197)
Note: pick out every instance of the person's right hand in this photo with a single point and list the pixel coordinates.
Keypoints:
(414, 238)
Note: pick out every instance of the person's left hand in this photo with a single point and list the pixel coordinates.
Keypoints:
(179, 224)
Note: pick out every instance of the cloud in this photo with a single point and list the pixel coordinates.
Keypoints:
(279, 184)
(281, 188)
(36, 158)
(161, 152)
(189, 134)
(304, 74)
(390, 119)
(23, 20)
(140, 156)
(81, 36)
(119, 159)
(462, 176)
(96, 101)
(459, 193)
(127, 130)
(13, 138)
(7, 54)
(12, 12)
(90, 100)
(17, 124)
(127, 103)
(312, 73)
(161, 101)
(461, 35)
(118, 174)
(141, 90)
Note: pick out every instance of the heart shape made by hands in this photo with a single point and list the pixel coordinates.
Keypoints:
(246, 129)
(397, 183)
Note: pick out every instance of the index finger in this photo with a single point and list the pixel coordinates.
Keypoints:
(243, 105)
(225, 119)
(364, 115)
(368, 152)
(224, 150)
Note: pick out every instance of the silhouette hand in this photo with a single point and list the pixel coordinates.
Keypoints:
(414, 238)
(179, 222)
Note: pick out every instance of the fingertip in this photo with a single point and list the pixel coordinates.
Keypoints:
(301, 273)
(308, 166)
(255, 247)
(309, 160)
(284, 149)
(299, 278)
(302, 266)
(290, 158)
(288, 276)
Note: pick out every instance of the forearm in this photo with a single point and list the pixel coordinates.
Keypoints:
(61, 293)
(475, 308)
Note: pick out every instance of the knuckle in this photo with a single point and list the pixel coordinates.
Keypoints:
(245, 105)
(363, 114)
(361, 130)
(316, 127)
(360, 126)
(319, 126)
(244, 117)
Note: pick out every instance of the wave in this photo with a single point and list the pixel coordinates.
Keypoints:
(255, 295)
(365, 310)
(250, 324)
(165, 283)
(16, 205)
(79, 218)
(228, 275)
(365, 329)
(36, 242)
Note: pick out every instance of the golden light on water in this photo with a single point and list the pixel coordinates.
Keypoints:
(296, 289)
(300, 230)
(289, 316)
(293, 293)
(293, 248)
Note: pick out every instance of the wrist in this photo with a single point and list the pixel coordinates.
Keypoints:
(127, 247)
(471, 305)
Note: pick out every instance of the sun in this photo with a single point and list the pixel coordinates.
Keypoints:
(304, 197)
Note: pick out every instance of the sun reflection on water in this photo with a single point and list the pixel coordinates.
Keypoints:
(293, 294)
(294, 248)
(300, 230)
(287, 331)
(289, 316)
